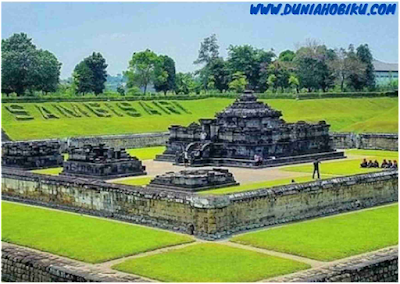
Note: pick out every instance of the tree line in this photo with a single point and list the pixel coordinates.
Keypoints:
(312, 67)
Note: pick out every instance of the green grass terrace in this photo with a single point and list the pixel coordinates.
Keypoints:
(25, 121)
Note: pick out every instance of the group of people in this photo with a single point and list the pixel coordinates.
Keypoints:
(385, 164)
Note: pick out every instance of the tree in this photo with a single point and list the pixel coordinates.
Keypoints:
(208, 50)
(239, 82)
(26, 68)
(90, 74)
(281, 73)
(249, 61)
(164, 74)
(294, 82)
(272, 81)
(219, 73)
(47, 72)
(211, 74)
(185, 83)
(286, 56)
(348, 68)
(365, 56)
(98, 65)
(121, 90)
(141, 69)
(83, 78)
(313, 66)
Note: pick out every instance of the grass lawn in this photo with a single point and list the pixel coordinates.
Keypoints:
(374, 153)
(135, 181)
(331, 238)
(258, 185)
(343, 167)
(210, 263)
(146, 153)
(50, 171)
(343, 114)
(79, 237)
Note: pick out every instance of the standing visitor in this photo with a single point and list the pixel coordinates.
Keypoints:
(316, 168)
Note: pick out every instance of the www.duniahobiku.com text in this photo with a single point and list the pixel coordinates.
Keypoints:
(367, 9)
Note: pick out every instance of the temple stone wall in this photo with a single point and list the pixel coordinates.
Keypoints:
(249, 210)
(368, 141)
(379, 266)
(19, 264)
(379, 141)
(208, 217)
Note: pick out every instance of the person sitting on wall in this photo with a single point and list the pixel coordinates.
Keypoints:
(384, 164)
(394, 166)
(370, 164)
(376, 164)
(257, 159)
(364, 163)
(390, 164)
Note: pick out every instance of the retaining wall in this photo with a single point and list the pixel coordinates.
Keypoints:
(209, 217)
(372, 141)
(368, 141)
(19, 264)
(379, 266)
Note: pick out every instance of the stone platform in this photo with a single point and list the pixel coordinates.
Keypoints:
(194, 180)
(100, 162)
(243, 163)
(31, 155)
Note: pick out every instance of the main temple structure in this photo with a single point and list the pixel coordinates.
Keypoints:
(249, 133)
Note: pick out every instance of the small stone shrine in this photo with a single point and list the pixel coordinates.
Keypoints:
(31, 155)
(101, 162)
(194, 180)
(248, 133)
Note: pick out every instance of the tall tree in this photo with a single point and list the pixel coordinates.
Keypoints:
(249, 61)
(22, 65)
(208, 50)
(365, 56)
(141, 69)
(348, 68)
(313, 66)
(90, 74)
(164, 74)
(83, 78)
(208, 56)
(47, 72)
(98, 65)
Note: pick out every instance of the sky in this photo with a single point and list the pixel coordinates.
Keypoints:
(72, 31)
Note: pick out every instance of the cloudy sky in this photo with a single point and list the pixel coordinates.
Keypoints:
(74, 30)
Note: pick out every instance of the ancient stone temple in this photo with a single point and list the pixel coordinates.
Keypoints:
(101, 162)
(31, 155)
(194, 180)
(248, 133)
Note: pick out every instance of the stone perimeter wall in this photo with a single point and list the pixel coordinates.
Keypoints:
(19, 264)
(371, 141)
(378, 266)
(211, 217)
(367, 141)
